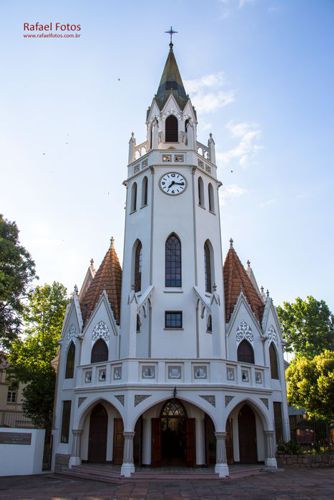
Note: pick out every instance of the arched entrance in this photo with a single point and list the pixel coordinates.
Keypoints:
(173, 436)
(247, 435)
(98, 428)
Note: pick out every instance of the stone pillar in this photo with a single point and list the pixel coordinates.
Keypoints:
(76, 445)
(128, 466)
(221, 467)
(270, 460)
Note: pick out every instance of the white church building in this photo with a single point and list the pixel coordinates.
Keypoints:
(176, 359)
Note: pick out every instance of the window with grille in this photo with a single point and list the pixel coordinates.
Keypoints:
(245, 352)
(99, 352)
(173, 319)
(173, 265)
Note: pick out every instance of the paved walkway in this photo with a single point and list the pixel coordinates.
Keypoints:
(290, 483)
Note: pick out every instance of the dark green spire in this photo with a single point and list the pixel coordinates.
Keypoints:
(171, 83)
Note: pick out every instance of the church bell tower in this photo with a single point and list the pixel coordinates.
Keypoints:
(172, 290)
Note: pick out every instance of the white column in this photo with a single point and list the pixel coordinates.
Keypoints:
(76, 445)
(128, 466)
(221, 467)
(200, 441)
(270, 460)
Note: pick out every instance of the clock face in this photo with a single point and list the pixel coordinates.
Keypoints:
(173, 183)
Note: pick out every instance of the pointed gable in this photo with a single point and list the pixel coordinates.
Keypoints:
(236, 281)
(108, 278)
(171, 83)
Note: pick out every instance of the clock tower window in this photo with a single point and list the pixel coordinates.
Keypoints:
(200, 192)
(144, 192)
(208, 268)
(172, 129)
(211, 198)
(134, 197)
(173, 263)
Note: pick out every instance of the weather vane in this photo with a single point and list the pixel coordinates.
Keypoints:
(171, 32)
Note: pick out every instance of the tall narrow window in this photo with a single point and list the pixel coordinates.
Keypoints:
(138, 266)
(209, 324)
(65, 422)
(172, 129)
(278, 421)
(144, 192)
(138, 324)
(69, 371)
(245, 352)
(99, 352)
(200, 192)
(211, 198)
(273, 362)
(208, 267)
(134, 197)
(173, 265)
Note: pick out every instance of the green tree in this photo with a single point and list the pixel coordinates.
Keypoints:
(30, 356)
(308, 326)
(311, 385)
(17, 270)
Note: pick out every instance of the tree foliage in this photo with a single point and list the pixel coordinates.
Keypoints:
(311, 385)
(308, 326)
(17, 270)
(30, 357)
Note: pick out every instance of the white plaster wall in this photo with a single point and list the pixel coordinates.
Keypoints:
(16, 459)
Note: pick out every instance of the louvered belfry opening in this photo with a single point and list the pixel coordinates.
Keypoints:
(172, 129)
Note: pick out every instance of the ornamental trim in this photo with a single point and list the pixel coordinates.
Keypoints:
(101, 331)
(244, 331)
(72, 332)
(272, 335)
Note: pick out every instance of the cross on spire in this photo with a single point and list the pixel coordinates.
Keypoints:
(171, 32)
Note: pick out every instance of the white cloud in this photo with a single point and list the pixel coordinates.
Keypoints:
(248, 136)
(231, 191)
(207, 93)
(229, 5)
(267, 203)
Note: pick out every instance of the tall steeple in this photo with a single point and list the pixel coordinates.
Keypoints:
(171, 83)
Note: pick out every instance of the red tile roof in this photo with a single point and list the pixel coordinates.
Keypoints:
(108, 278)
(236, 281)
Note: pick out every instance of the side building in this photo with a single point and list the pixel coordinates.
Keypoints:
(177, 359)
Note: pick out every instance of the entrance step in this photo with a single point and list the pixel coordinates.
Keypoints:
(96, 472)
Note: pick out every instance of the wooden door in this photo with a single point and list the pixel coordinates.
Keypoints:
(156, 442)
(247, 436)
(118, 447)
(190, 442)
(98, 427)
(229, 441)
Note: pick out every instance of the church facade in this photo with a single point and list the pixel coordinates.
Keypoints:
(176, 359)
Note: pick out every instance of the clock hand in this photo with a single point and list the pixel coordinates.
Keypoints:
(179, 183)
(170, 185)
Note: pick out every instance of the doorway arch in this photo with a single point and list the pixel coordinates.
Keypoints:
(247, 435)
(173, 430)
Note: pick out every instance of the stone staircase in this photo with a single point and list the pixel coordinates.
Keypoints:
(109, 473)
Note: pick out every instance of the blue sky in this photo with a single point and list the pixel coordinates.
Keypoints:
(260, 73)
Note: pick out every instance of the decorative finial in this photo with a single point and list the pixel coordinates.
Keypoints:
(231, 242)
(92, 262)
(267, 293)
(76, 290)
(248, 263)
(262, 290)
(171, 32)
(112, 242)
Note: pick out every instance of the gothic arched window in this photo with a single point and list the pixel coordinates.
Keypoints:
(173, 264)
(134, 197)
(245, 352)
(200, 192)
(138, 265)
(69, 371)
(208, 266)
(138, 325)
(211, 198)
(209, 324)
(99, 352)
(172, 129)
(273, 362)
(144, 192)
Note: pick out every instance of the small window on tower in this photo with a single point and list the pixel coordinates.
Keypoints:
(172, 129)
(173, 320)
(134, 197)
(144, 192)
